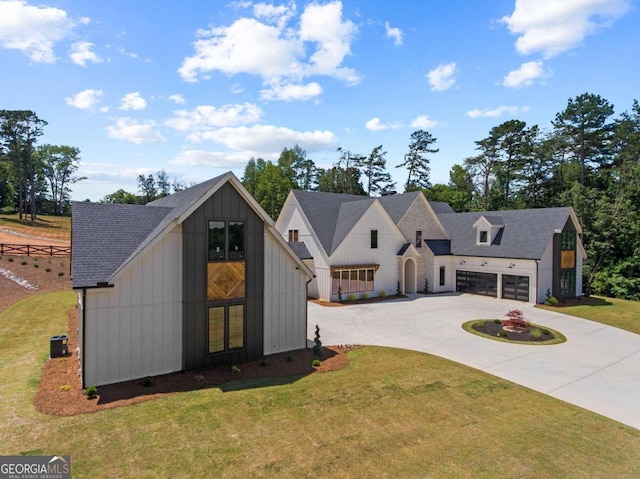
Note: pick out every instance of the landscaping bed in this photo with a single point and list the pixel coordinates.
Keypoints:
(514, 329)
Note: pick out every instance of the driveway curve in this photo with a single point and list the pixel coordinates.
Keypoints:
(598, 368)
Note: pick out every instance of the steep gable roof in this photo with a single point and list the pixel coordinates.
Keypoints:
(397, 205)
(106, 237)
(440, 207)
(526, 233)
(331, 215)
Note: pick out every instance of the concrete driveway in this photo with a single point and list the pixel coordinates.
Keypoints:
(598, 368)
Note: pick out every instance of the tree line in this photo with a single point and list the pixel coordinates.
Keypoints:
(588, 159)
(33, 178)
(150, 188)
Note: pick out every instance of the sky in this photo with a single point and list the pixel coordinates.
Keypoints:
(197, 88)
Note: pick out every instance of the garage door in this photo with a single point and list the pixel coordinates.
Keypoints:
(477, 283)
(515, 287)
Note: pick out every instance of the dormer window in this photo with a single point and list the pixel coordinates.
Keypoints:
(488, 229)
(484, 237)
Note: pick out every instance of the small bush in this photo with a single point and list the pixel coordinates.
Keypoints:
(199, 377)
(23, 263)
(426, 285)
(364, 296)
(264, 363)
(496, 321)
(317, 347)
(10, 260)
(65, 387)
(60, 273)
(147, 382)
(502, 334)
(383, 294)
(91, 392)
(36, 265)
(339, 294)
(549, 299)
(48, 270)
(398, 292)
(535, 333)
(7, 210)
(316, 363)
(351, 297)
(235, 369)
(289, 358)
(546, 332)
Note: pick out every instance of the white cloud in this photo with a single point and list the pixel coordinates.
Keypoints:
(32, 30)
(423, 122)
(442, 77)
(376, 125)
(266, 139)
(215, 159)
(133, 101)
(497, 112)
(394, 33)
(206, 117)
(86, 100)
(137, 132)
(526, 75)
(292, 92)
(81, 54)
(266, 47)
(84, 20)
(178, 99)
(551, 27)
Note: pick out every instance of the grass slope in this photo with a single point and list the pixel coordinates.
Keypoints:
(54, 227)
(391, 413)
(620, 313)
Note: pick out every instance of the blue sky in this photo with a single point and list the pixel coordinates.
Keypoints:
(197, 88)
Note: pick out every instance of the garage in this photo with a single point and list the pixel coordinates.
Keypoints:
(515, 287)
(475, 282)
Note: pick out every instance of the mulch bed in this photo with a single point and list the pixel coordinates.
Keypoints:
(492, 329)
(60, 391)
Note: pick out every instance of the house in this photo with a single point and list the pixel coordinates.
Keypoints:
(361, 245)
(193, 280)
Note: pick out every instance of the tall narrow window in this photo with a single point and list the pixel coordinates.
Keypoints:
(374, 239)
(335, 282)
(418, 239)
(293, 236)
(216, 241)
(216, 329)
(236, 240)
(236, 326)
(484, 236)
(442, 275)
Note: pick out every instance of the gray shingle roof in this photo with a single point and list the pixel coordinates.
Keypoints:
(439, 247)
(106, 236)
(526, 233)
(494, 220)
(300, 249)
(404, 249)
(331, 215)
(397, 205)
(440, 207)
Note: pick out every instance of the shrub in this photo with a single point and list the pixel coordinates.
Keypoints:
(502, 334)
(23, 263)
(535, 333)
(426, 285)
(10, 260)
(339, 294)
(351, 297)
(199, 377)
(36, 265)
(317, 347)
(316, 363)
(264, 363)
(48, 270)
(546, 332)
(549, 299)
(91, 392)
(398, 292)
(496, 321)
(65, 387)
(289, 358)
(7, 210)
(235, 369)
(147, 382)
(364, 296)
(60, 273)
(383, 294)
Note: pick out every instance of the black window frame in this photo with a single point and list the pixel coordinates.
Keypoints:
(418, 238)
(374, 239)
(226, 336)
(443, 275)
(483, 234)
(227, 254)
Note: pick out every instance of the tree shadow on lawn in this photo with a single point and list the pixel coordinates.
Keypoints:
(583, 301)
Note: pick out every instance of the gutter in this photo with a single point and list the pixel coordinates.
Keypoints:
(84, 334)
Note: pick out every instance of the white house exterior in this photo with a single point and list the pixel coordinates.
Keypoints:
(518, 254)
(160, 288)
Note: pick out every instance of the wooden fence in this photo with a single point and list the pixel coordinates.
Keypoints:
(33, 250)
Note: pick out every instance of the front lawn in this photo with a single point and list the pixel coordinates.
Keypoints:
(53, 227)
(390, 413)
(620, 313)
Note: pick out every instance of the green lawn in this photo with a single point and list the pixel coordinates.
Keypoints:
(620, 313)
(391, 413)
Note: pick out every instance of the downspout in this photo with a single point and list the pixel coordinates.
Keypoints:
(537, 281)
(306, 309)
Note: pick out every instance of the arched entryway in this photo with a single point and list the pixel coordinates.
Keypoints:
(410, 276)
